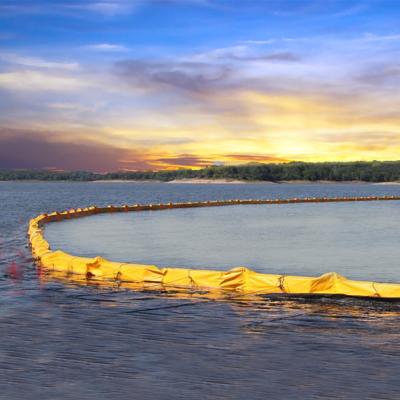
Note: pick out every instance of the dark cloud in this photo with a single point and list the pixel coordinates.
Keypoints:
(186, 76)
(185, 160)
(271, 57)
(27, 149)
(192, 77)
(380, 74)
(35, 149)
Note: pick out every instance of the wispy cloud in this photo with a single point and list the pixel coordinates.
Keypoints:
(39, 81)
(372, 37)
(105, 47)
(37, 62)
(317, 9)
(274, 57)
(274, 40)
(243, 52)
(255, 158)
(109, 8)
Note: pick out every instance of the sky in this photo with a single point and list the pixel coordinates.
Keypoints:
(165, 84)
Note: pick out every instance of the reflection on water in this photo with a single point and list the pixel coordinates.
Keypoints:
(334, 305)
(62, 339)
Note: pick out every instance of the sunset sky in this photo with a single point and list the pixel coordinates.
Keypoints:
(115, 84)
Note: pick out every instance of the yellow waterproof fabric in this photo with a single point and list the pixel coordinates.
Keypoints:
(239, 279)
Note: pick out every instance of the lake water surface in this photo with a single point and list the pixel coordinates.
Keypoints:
(61, 340)
(297, 239)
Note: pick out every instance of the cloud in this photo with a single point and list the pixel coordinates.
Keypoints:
(275, 40)
(255, 158)
(107, 47)
(105, 8)
(259, 42)
(351, 10)
(187, 76)
(246, 51)
(37, 62)
(364, 138)
(39, 81)
(207, 77)
(24, 7)
(296, 98)
(316, 8)
(183, 160)
(379, 74)
(372, 37)
(36, 149)
(278, 57)
(164, 141)
(67, 106)
(109, 8)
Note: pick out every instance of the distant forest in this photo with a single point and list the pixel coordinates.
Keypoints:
(374, 171)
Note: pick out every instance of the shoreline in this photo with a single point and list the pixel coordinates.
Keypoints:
(198, 181)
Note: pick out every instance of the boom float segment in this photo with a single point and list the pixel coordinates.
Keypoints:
(237, 280)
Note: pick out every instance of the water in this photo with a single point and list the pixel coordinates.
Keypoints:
(61, 340)
(297, 239)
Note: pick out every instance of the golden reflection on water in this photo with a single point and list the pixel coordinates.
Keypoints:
(265, 308)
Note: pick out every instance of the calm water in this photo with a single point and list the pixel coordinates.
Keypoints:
(309, 239)
(61, 340)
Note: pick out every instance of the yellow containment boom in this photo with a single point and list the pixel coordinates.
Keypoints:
(237, 280)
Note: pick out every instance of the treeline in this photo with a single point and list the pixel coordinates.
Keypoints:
(374, 171)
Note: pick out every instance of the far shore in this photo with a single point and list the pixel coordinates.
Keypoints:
(198, 181)
(242, 182)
